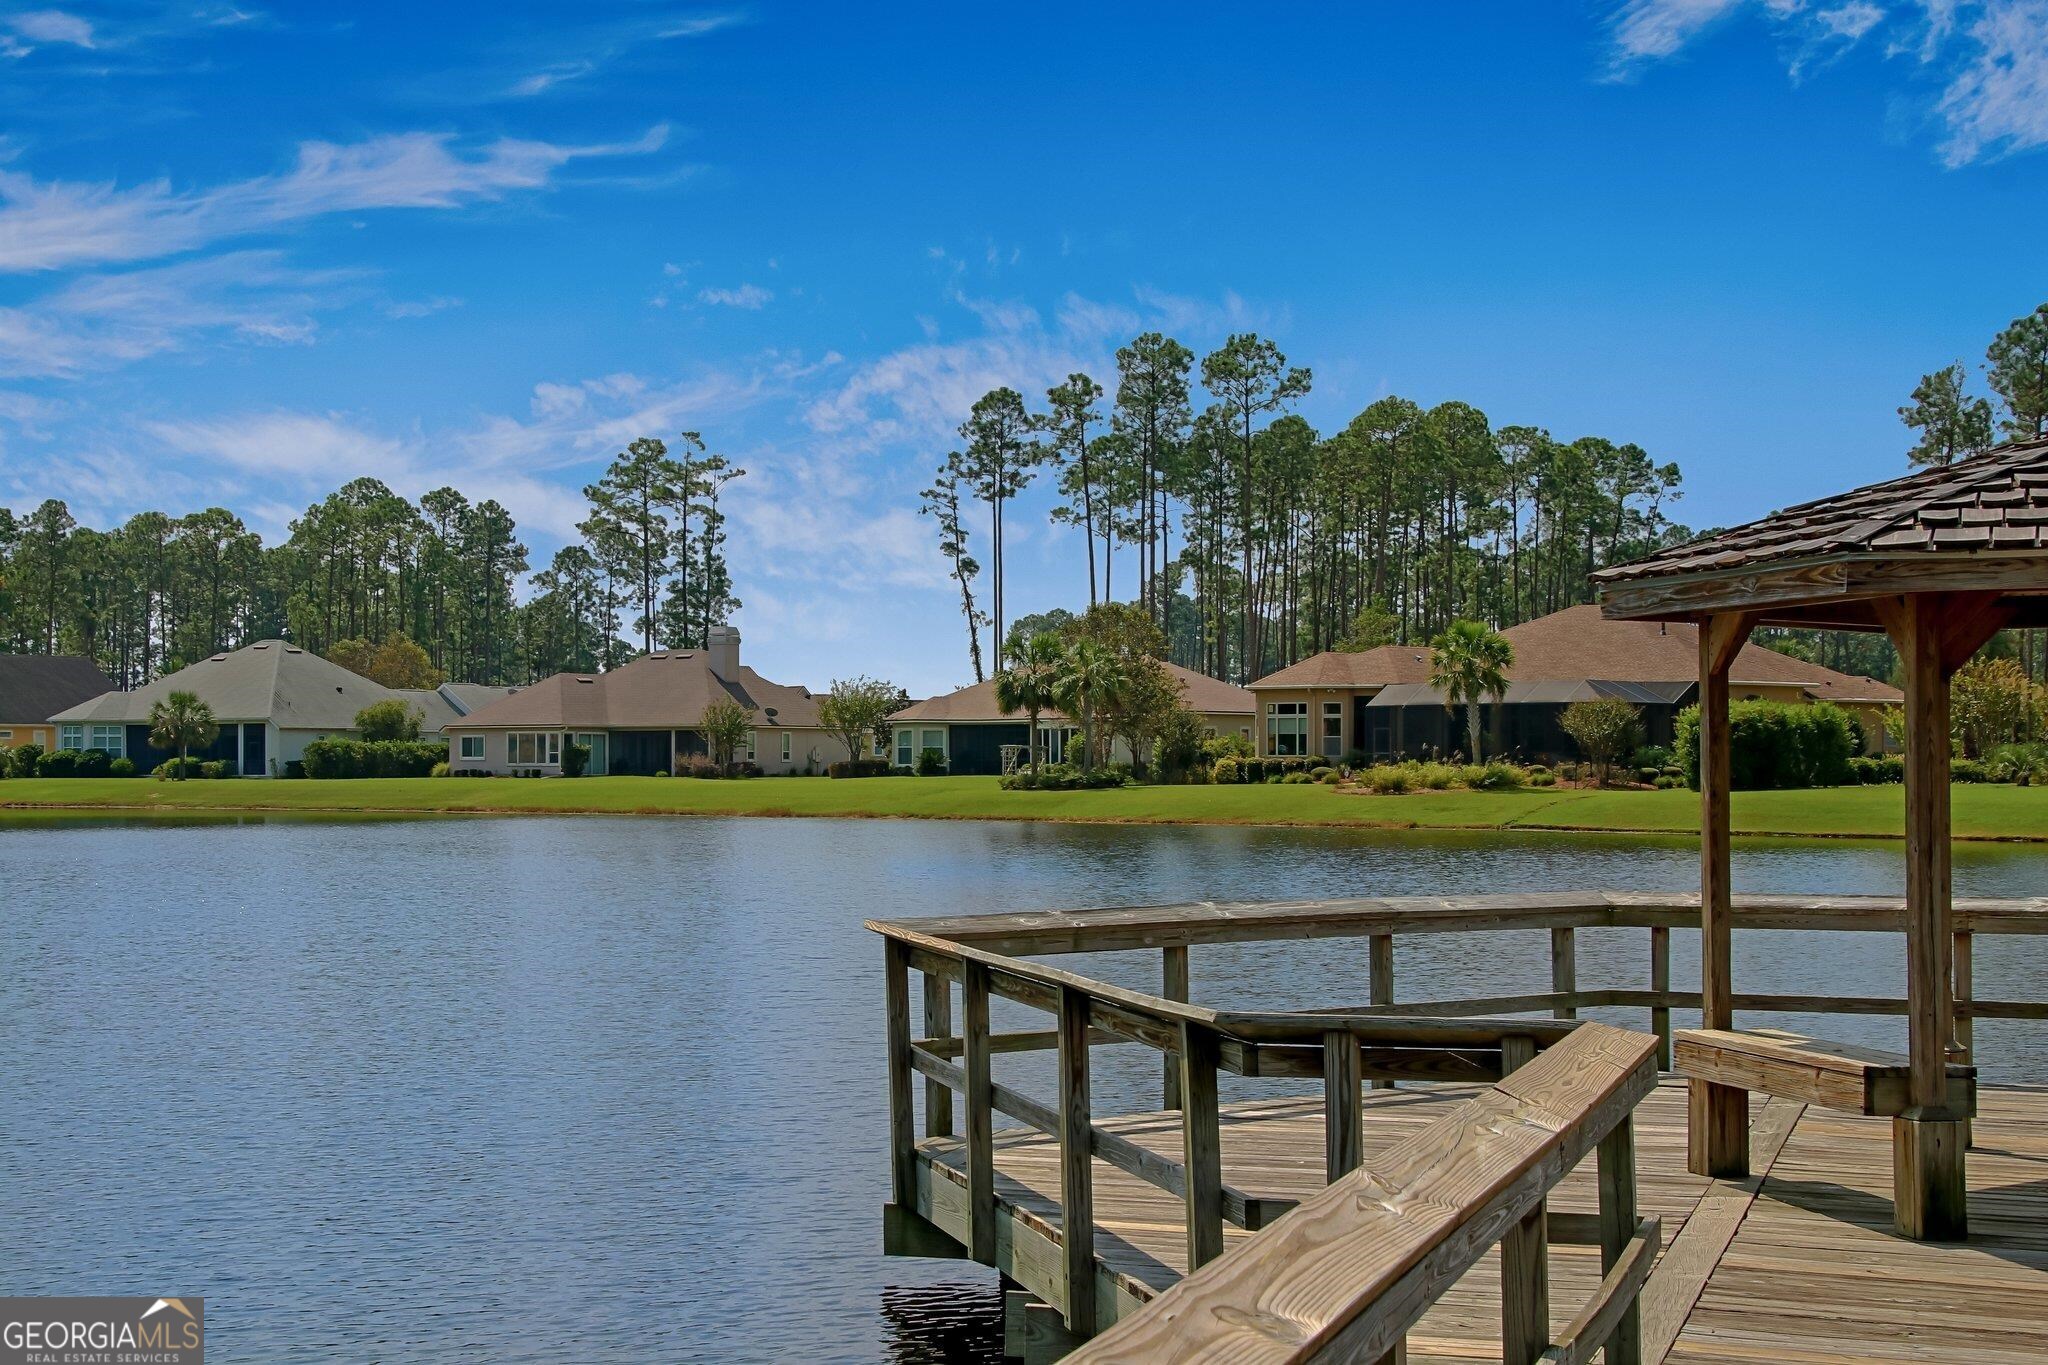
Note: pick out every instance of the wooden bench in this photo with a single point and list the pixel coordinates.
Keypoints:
(1857, 1080)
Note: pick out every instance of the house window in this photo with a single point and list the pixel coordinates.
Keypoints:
(1333, 729)
(1054, 741)
(473, 747)
(881, 744)
(6, 737)
(112, 738)
(906, 748)
(934, 739)
(785, 746)
(534, 750)
(1286, 728)
(750, 746)
(71, 736)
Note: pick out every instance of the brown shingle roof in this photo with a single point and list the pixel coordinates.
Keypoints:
(1361, 668)
(35, 687)
(666, 690)
(1994, 501)
(978, 701)
(1579, 643)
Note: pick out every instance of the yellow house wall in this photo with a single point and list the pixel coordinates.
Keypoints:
(13, 736)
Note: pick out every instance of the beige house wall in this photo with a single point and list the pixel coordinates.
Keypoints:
(812, 746)
(1314, 697)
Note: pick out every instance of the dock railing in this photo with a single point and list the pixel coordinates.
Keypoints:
(1380, 1042)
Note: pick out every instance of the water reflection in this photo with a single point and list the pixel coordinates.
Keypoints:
(613, 1087)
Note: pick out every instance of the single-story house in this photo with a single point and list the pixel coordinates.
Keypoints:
(642, 718)
(34, 687)
(271, 699)
(1379, 702)
(971, 730)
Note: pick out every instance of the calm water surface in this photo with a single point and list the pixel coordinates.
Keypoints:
(612, 1088)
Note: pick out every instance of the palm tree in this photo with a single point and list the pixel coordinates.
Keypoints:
(1469, 664)
(1089, 676)
(1029, 683)
(183, 722)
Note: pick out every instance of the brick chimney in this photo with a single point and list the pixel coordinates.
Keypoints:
(722, 649)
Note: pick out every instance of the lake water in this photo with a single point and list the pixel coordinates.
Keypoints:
(612, 1088)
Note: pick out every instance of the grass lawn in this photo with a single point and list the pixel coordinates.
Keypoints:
(1980, 811)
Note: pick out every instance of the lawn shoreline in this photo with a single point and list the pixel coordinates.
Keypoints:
(1995, 814)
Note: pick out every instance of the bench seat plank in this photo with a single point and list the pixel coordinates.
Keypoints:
(1844, 1076)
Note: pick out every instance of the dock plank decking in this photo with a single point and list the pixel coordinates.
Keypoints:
(1796, 1263)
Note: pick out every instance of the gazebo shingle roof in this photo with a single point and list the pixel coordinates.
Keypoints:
(1994, 501)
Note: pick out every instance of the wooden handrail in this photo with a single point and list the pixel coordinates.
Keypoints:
(1355, 1267)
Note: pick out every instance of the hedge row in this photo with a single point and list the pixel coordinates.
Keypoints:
(1775, 744)
(373, 758)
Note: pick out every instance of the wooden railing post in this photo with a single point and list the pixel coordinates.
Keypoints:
(1201, 1144)
(938, 1023)
(1617, 1158)
(1564, 969)
(1343, 1105)
(1717, 1126)
(1525, 1288)
(1077, 1187)
(902, 1118)
(1965, 1049)
(1380, 949)
(1524, 1254)
(1173, 971)
(980, 1104)
(1660, 980)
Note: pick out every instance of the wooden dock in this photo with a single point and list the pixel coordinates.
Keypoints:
(1532, 1192)
(1799, 1265)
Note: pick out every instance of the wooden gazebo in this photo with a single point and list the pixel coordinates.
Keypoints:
(1939, 561)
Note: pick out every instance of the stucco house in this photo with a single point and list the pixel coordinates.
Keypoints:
(271, 699)
(642, 718)
(1379, 702)
(971, 730)
(34, 687)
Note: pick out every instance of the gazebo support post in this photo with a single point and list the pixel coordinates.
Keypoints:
(1935, 633)
(1718, 1131)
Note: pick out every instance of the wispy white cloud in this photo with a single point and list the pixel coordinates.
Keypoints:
(1990, 55)
(1998, 103)
(604, 44)
(97, 322)
(47, 225)
(748, 296)
(50, 26)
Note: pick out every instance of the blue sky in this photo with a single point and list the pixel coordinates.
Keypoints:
(246, 255)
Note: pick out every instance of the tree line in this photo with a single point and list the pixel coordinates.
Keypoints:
(365, 571)
(1255, 540)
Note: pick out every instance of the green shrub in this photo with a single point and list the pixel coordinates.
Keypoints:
(332, 758)
(121, 767)
(859, 767)
(1331, 777)
(699, 766)
(173, 769)
(23, 760)
(1652, 756)
(1297, 779)
(661, 772)
(2023, 764)
(1498, 776)
(439, 769)
(58, 763)
(931, 762)
(214, 768)
(1320, 772)
(1663, 783)
(1062, 777)
(575, 760)
(1646, 776)
(1236, 747)
(1388, 779)
(94, 763)
(1877, 769)
(1568, 772)
(1543, 777)
(1776, 744)
(1970, 770)
(1225, 770)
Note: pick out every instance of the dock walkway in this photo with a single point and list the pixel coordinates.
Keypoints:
(1795, 1264)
